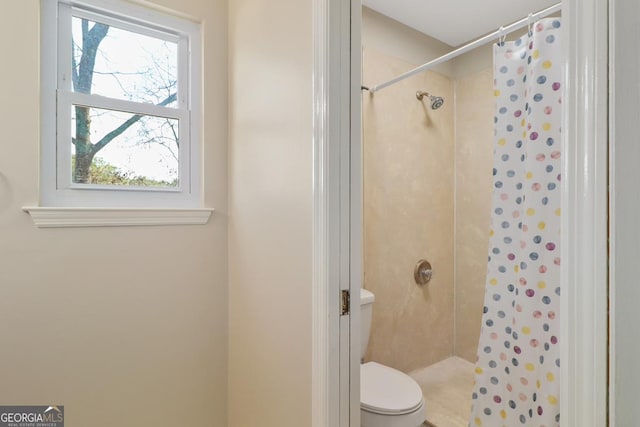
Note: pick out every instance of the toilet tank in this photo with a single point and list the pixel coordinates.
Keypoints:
(366, 310)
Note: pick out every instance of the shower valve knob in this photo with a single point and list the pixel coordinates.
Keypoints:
(423, 272)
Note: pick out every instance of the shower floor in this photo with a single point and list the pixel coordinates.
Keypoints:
(447, 388)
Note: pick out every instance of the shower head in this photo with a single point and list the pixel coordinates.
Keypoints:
(436, 101)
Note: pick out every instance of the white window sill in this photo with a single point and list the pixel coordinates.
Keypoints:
(115, 217)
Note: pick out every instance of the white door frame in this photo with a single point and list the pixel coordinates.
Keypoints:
(338, 217)
(584, 312)
(337, 213)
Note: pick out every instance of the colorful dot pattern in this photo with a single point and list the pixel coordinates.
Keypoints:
(517, 373)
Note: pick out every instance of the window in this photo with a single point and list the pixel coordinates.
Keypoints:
(121, 106)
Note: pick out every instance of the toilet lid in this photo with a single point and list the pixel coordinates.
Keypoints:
(384, 390)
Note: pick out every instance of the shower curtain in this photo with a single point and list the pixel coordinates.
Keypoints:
(517, 373)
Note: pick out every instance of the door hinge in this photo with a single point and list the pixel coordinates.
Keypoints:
(346, 303)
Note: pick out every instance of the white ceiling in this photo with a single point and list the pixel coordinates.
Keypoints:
(456, 22)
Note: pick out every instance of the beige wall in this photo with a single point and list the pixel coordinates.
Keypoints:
(473, 62)
(398, 211)
(474, 180)
(123, 326)
(270, 202)
(408, 214)
(395, 39)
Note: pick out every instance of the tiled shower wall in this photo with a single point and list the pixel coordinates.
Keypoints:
(408, 214)
(474, 164)
(427, 194)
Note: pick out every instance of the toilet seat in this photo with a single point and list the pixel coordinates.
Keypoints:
(387, 391)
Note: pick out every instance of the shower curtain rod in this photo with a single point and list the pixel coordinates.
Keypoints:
(474, 44)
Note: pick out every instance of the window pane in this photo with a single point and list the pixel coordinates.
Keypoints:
(121, 64)
(123, 149)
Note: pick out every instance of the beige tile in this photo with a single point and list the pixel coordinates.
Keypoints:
(408, 214)
(447, 388)
(474, 181)
(422, 182)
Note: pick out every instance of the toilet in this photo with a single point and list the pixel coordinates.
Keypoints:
(388, 397)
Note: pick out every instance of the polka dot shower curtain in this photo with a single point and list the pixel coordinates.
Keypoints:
(517, 373)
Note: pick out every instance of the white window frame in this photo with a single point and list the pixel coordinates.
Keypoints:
(56, 188)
